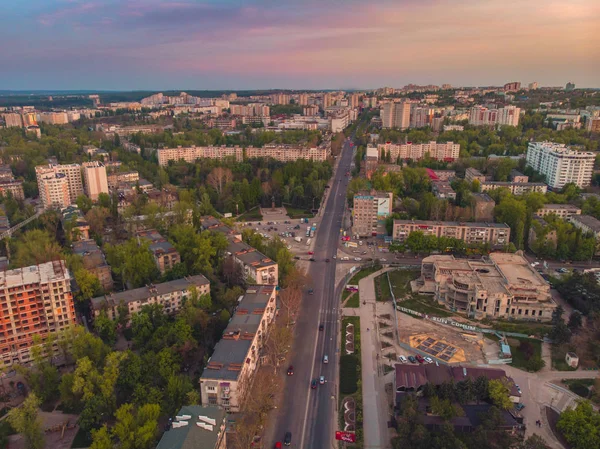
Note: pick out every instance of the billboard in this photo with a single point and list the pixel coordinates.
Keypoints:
(348, 437)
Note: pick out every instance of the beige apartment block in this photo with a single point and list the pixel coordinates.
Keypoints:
(560, 210)
(516, 188)
(15, 188)
(447, 151)
(94, 176)
(368, 209)
(35, 300)
(165, 255)
(495, 234)
(501, 286)
(171, 295)
(229, 371)
(72, 175)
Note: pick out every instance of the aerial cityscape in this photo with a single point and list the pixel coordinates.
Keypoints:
(335, 224)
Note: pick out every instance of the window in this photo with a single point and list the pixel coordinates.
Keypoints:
(211, 389)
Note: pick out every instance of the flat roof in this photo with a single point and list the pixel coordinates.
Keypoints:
(35, 274)
(232, 349)
(248, 255)
(139, 294)
(453, 223)
(560, 207)
(517, 270)
(191, 436)
(587, 220)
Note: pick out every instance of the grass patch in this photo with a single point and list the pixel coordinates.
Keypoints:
(526, 353)
(354, 301)
(345, 295)
(82, 439)
(293, 213)
(580, 387)
(357, 395)
(348, 374)
(425, 304)
(363, 274)
(558, 354)
(382, 288)
(537, 329)
(251, 215)
(400, 280)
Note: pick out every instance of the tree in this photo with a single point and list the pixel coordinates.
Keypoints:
(101, 439)
(277, 344)
(133, 262)
(96, 218)
(106, 328)
(534, 442)
(218, 178)
(136, 427)
(178, 387)
(104, 200)
(88, 283)
(35, 247)
(84, 203)
(580, 426)
(500, 393)
(575, 320)
(444, 408)
(25, 421)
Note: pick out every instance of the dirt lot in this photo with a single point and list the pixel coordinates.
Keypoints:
(411, 327)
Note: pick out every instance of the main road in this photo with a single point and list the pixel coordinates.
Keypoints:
(309, 414)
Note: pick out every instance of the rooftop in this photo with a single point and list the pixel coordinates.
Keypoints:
(453, 223)
(35, 274)
(560, 207)
(248, 255)
(158, 244)
(232, 350)
(587, 220)
(152, 290)
(192, 436)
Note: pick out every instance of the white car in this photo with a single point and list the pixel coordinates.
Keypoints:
(402, 359)
(325, 359)
(428, 360)
(358, 259)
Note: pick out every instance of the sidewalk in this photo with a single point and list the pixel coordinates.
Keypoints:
(375, 404)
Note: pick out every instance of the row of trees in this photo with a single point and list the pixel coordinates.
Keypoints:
(417, 242)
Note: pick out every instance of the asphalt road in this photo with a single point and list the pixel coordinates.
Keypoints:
(309, 414)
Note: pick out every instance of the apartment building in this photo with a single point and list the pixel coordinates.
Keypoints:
(13, 119)
(251, 109)
(257, 268)
(95, 180)
(507, 116)
(94, 261)
(443, 190)
(339, 122)
(518, 177)
(197, 427)
(170, 295)
(14, 188)
(284, 153)
(310, 111)
(396, 115)
(371, 161)
(586, 223)
(516, 188)
(303, 99)
(447, 151)
(54, 118)
(592, 124)
(421, 117)
(369, 208)
(51, 180)
(563, 211)
(229, 371)
(560, 164)
(500, 286)
(512, 86)
(35, 300)
(494, 234)
(165, 255)
(129, 177)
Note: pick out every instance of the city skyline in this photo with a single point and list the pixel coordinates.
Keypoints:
(258, 44)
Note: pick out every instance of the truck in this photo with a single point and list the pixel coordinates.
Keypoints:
(298, 239)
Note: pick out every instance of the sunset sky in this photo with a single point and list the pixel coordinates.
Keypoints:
(296, 44)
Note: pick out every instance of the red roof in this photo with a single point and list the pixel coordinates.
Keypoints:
(432, 174)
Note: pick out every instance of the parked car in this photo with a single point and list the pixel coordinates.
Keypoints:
(290, 371)
(412, 359)
(310, 253)
(419, 358)
(358, 259)
(287, 440)
(322, 380)
(520, 406)
(321, 326)
(519, 389)
(312, 259)
(402, 359)
(278, 445)
(428, 360)
(325, 359)
(313, 384)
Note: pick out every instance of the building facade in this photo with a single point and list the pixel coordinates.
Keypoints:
(448, 151)
(560, 164)
(370, 208)
(516, 188)
(14, 188)
(94, 261)
(560, 210)
(481, 116)
(35, 300)
(494, 234)
(228, 374)
(396, 115)
(170, 295)
(502, 286)
(51, 186)
(95, 180)
(165, 255)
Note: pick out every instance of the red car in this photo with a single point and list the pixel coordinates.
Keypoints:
(278, 445)
(419, 358)
(311, 253)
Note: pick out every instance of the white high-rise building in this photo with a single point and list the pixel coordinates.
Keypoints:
(560, 164)
(95, 180)
(481, 116)
(48, 178)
